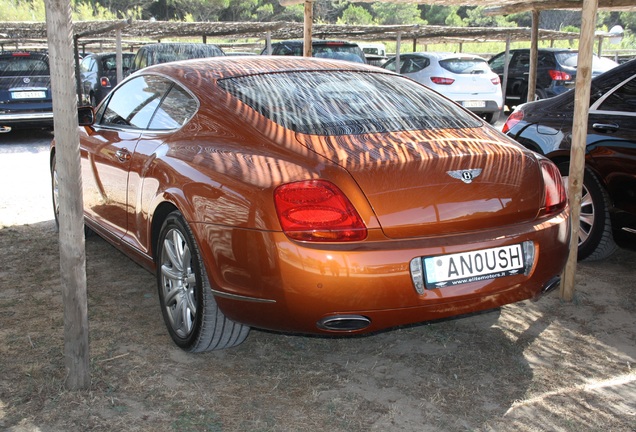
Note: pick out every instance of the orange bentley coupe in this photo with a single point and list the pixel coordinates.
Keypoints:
(313, 196)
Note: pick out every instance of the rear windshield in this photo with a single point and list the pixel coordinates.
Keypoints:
(346, 103)
(465, 66)
(23, 65)
(172, 53)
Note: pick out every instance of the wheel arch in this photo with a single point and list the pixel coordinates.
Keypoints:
(159, 215)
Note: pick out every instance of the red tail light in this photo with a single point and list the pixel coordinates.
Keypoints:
(442, 80)
(104, 82)
(555, 196)
(316, 210)
(495, 80)
(513, 119)
(560, 75)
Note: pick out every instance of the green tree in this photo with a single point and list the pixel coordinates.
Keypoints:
(397, 13)
(355, 15)
(476, 18)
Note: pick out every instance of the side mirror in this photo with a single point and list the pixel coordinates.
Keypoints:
(86, 116)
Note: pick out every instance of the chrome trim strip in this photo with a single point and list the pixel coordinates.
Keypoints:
(26, 116)
(240, 297)
(629, 230)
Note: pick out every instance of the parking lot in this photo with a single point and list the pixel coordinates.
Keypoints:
(531, 366)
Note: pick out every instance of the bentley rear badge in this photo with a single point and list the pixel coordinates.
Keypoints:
(466, 176)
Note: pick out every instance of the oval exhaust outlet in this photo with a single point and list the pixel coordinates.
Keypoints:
(344, 323)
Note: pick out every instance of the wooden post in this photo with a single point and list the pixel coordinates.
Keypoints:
(534, 56)
(268, 42)
(307, 29)
(398, 48)
(119, 58)
(72, 251)
(504, 84)
(579, 135)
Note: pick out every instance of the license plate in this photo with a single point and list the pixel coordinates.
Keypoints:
(28, 95)
(465, 267)
(474, 104)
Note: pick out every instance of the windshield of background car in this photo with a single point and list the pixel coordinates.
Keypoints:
(23, 65)
(465, 66)
(346, 103)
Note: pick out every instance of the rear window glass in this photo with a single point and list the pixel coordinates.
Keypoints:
(23, 65)
(567, 59)
(346, 103)
(465, 66)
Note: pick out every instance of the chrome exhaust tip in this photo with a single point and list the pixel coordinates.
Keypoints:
(549, 286)
(5, 129)
(344, 323)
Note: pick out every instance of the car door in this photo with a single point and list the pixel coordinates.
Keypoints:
(107, 151)
(612, 143)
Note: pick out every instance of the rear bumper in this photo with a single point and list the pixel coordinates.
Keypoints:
(16, 120)
(267, 281)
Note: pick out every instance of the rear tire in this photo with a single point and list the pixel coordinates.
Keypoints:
(595, 239)
(193, 319)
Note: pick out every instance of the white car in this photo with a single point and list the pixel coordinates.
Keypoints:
(464, 78)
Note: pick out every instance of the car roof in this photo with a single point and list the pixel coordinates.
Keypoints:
(315, 42)
(215, 68)
(444, 55)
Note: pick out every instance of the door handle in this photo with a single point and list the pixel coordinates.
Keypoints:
(123, 155)
(605, 127)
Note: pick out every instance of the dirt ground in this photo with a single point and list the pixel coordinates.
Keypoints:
(532, 366)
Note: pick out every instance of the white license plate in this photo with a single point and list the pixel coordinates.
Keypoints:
(28, 95)
(465, 267)
(474, 104)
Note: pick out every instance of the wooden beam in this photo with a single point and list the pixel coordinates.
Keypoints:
(71, 216)
(579, 136)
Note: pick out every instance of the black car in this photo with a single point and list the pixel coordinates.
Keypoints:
(334, 49)
(25, 90)
(157, 53)
(608, 208)
(98, 75)
(556, 72)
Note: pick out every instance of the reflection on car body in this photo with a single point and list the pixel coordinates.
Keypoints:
(314, 196)
(608, 208)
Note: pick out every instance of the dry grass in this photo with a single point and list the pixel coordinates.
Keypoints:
(527, 367)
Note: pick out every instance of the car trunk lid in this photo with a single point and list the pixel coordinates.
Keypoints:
(422, 183)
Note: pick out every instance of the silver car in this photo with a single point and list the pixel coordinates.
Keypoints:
(463, 78)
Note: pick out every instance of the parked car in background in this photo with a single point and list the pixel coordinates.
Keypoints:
(25, 90)
(374, 53)
(464, 78)
(314, 196)
(334, 49)
(98, 74)
(556, 72)
(608, 208)
(152, 54)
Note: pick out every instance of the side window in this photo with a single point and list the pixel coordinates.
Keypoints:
(134, 103)
(621, 99)
(417, 64)
(390, 65)
(497, 63)
(520, 60)
(84, 65)
(175, 110)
